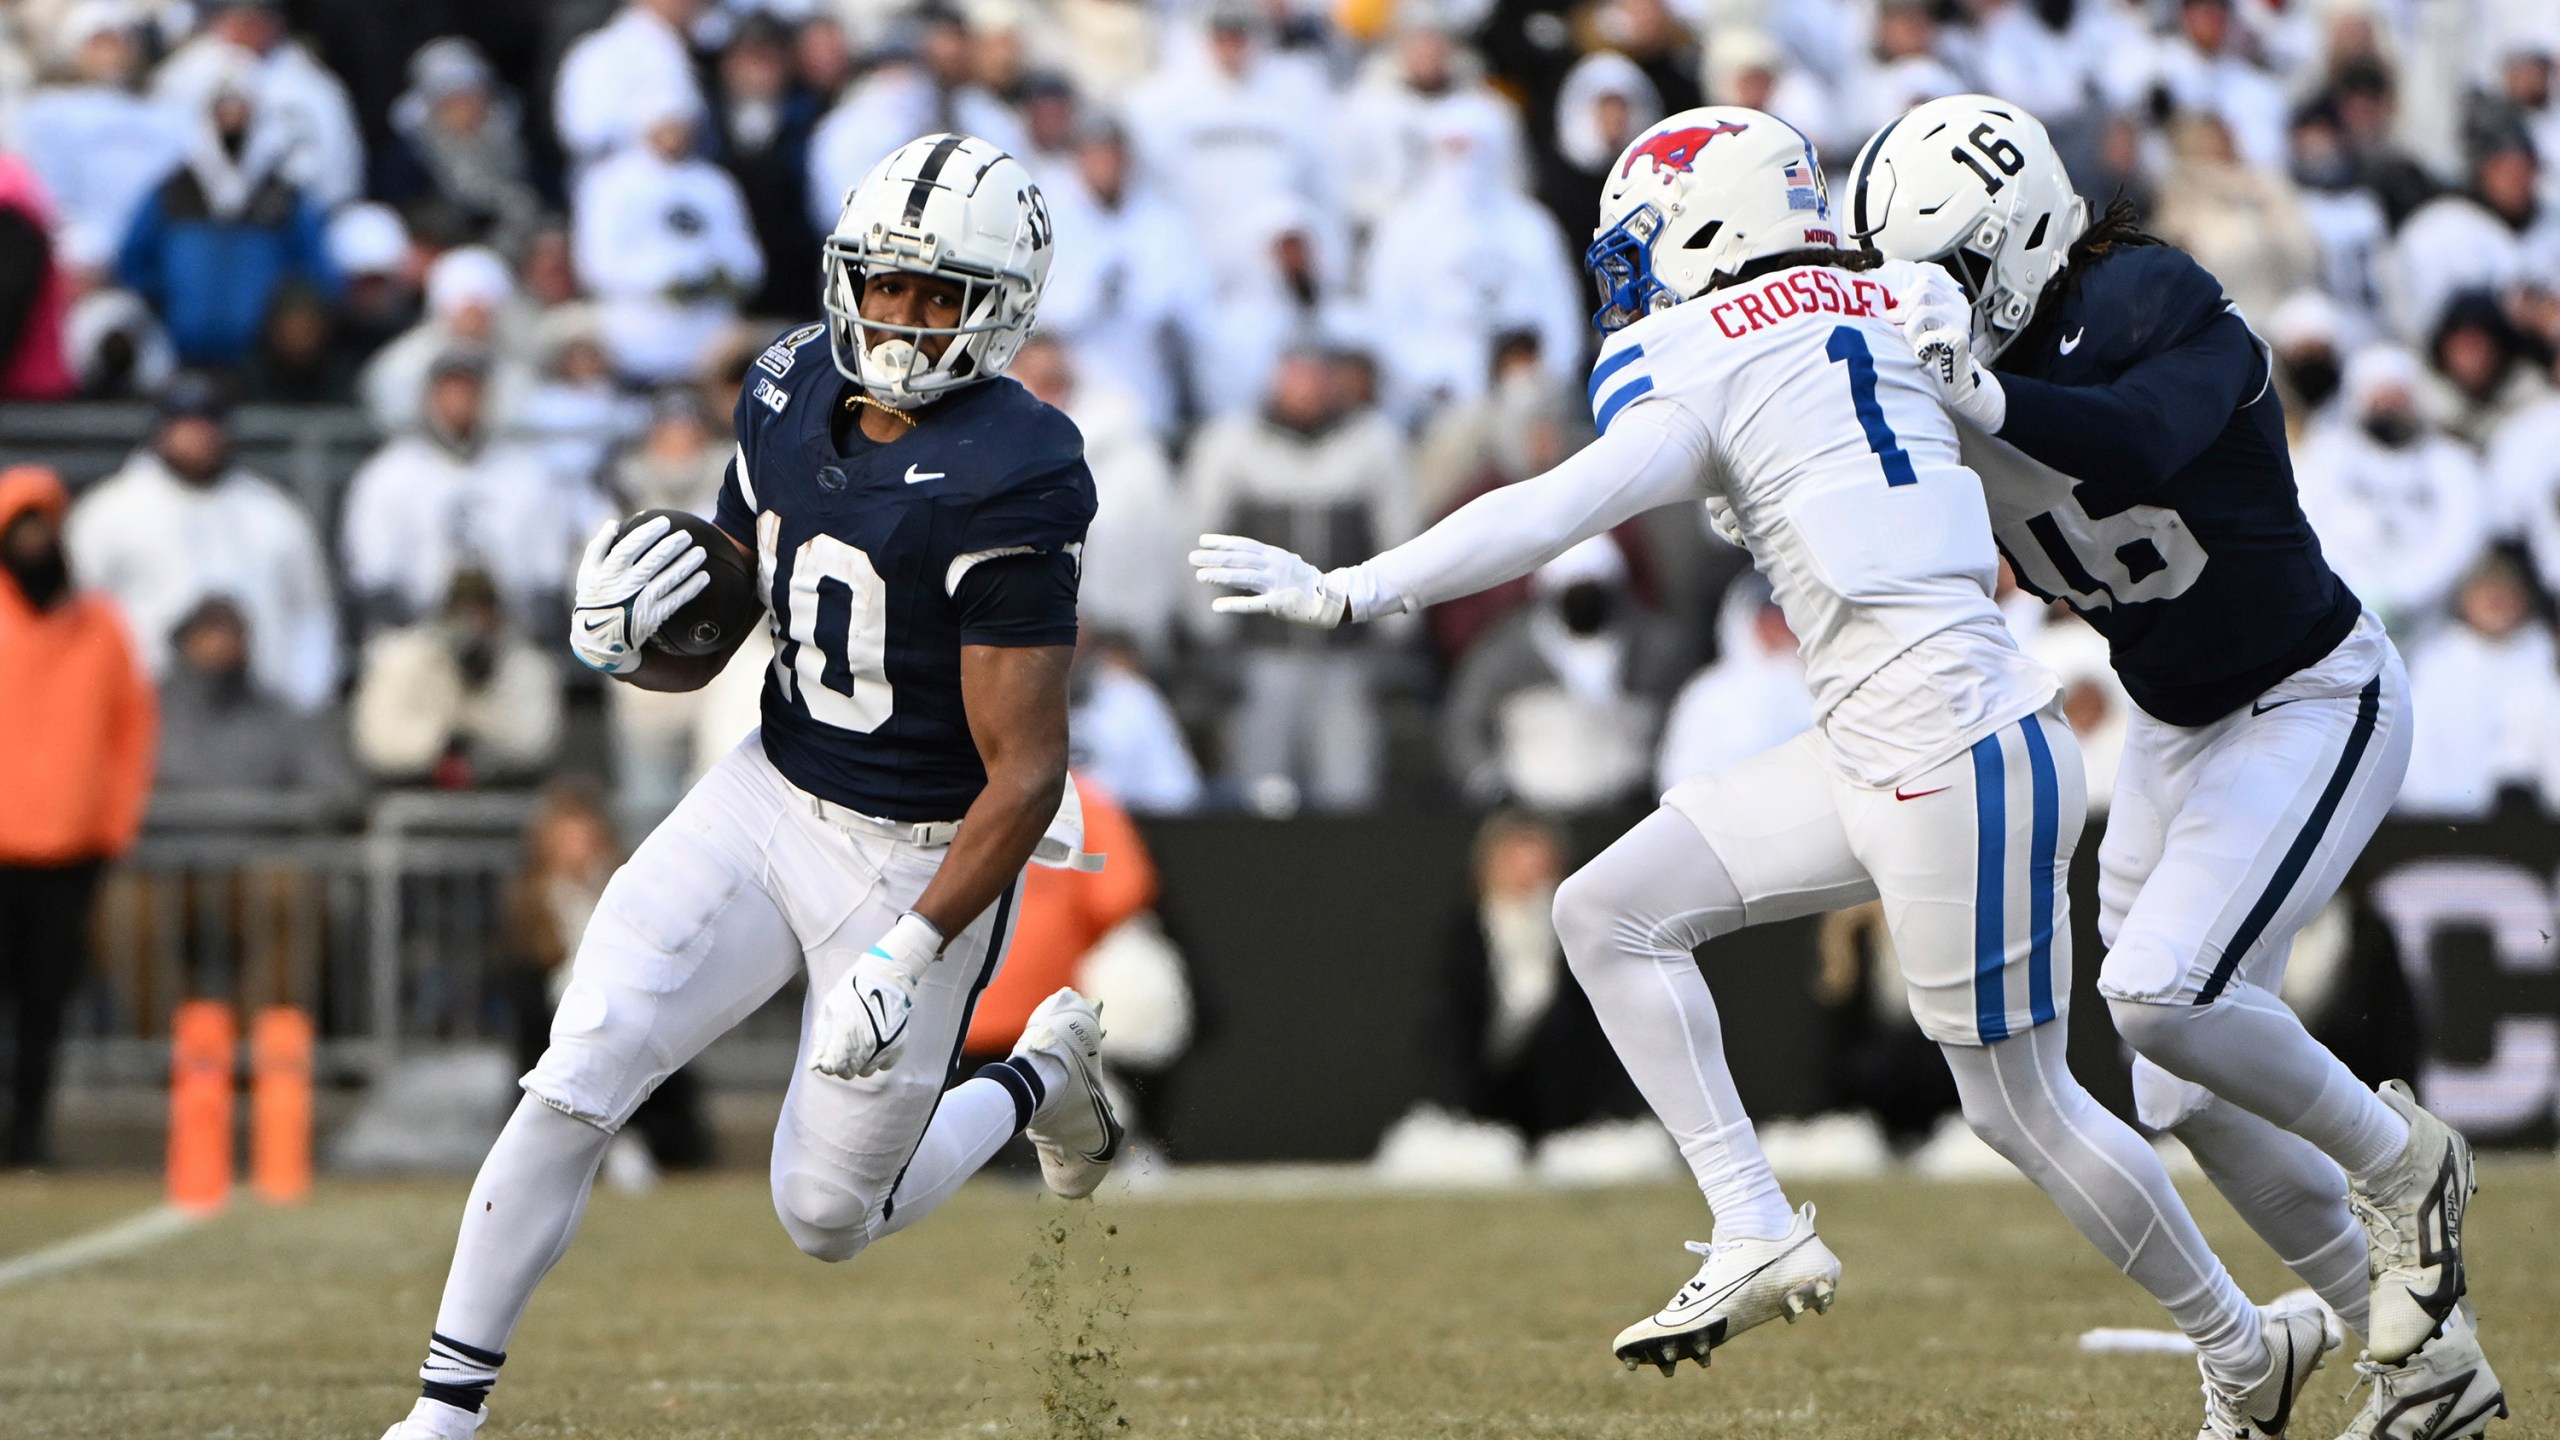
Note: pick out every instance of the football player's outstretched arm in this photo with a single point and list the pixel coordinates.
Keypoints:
(1016, 698)
(1655, 453)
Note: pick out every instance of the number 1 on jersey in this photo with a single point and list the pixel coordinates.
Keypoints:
(1849, 347)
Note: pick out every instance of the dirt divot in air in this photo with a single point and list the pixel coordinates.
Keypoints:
(1076, 1298)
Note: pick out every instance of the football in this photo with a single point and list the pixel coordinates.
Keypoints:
(714, 619)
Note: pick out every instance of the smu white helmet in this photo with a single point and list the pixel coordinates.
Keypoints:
(956, 208)
(1972, 184)
(1700, 195)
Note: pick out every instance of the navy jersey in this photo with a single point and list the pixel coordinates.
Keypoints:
(2160, 502)
(878, 562)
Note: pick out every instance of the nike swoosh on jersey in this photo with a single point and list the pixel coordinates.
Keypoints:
(914, 478)
(1921, 794)
(2071, 342)
(2262, 707)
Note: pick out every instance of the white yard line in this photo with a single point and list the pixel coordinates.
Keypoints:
(125, 1237)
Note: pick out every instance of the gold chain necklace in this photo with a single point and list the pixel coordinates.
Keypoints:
(858, 398)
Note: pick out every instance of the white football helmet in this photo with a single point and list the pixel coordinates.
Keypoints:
(1698, 195)
(1972, 184)
(956, 208)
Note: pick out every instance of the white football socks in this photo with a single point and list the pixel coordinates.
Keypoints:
(2021, 1098)
(524, 1210)
(1629, 921)
(2251, 1049)
(973, 1122)
(2291, 1194)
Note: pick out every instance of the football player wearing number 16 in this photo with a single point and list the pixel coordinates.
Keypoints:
(2133, 454)
(1751, 364)
(916, 521)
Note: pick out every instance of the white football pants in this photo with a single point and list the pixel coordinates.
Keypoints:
(742, 888)
(1969, 860)
(2221, 842)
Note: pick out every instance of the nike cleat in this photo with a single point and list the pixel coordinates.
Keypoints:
(2412, 1214)
(2444, 1392)
(1076, 1133)
(2299, 1336)
(1743, 1283)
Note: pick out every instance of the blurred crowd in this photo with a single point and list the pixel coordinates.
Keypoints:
(1317, 282)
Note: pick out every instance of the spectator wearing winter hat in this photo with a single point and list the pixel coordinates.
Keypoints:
(459, 698)
(1130, 295)
(2308, 336)
(370, 247)
(1557, 707)
(2490, 238)
(1464, 258)
(221, 728)
(2401, 510)
(925, 81)
(1747, 67)
(2239, 221)
(98, 144)
(456, 494)
(458, 148)
(2480, 372)
(75, 771)
(212, 244)
(1605, 103)
(614, 79)
(183, 521)
(470, 304)
(663, 239)
(2484, 690)
(298, 100)
(762, 121)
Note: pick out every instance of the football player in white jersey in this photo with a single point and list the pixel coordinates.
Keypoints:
(2133, 453)
(1751, 364)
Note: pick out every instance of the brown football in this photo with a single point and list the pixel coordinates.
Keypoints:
(711, 621)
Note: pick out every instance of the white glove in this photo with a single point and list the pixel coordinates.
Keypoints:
(1937, 320)
(1275, 582)
(627, 589)
(862, 1023)
(1962, 384)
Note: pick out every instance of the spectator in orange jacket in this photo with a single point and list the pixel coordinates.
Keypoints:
(1063, 913)
(76, 743)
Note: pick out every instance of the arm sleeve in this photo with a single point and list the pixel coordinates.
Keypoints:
(2147, 424)
(1655, 454)
(1027, 598)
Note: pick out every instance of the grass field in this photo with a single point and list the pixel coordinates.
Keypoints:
(686, 1313)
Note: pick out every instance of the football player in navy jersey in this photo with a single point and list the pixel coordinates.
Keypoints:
(916, 522)
(2120, 414)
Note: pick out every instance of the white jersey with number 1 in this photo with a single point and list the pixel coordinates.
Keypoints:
(1831, 460)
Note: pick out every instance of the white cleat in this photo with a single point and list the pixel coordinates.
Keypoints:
(2412, 1216)
(2299, 1335)
(2444, 1392)
(435, 1420)
(1744, 1283)
(1076, 1133)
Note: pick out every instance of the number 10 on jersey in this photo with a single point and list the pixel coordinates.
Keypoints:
(831, 630)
